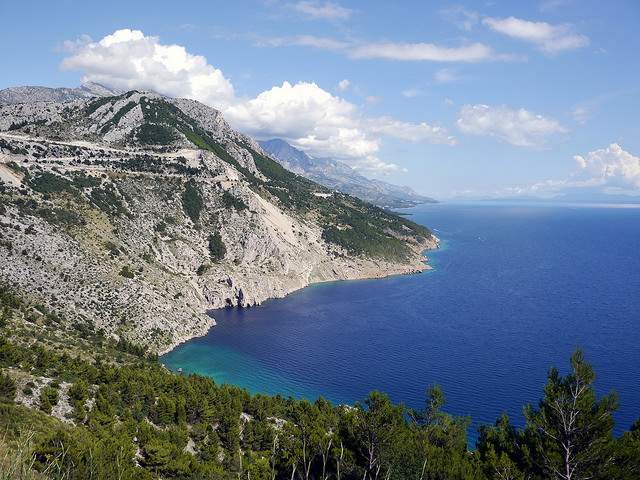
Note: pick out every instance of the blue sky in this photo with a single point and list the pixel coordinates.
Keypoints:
(477, 98)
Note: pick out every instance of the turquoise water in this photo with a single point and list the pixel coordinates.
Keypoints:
(514, 289)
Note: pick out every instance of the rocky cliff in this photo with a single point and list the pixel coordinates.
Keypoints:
(133, 214)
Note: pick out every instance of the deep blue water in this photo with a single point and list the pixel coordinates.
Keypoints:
(513, 291)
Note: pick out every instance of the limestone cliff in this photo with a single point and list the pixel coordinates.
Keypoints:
(136, 213)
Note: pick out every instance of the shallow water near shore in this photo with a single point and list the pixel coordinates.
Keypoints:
(513, 290)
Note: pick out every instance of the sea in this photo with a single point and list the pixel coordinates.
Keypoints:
(514, 289)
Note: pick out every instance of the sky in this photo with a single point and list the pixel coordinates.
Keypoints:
(454, 99)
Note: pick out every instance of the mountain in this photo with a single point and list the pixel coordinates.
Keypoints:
(574, 195)
(594, 195)
(133, 214)
(339, 176)
(31, 94)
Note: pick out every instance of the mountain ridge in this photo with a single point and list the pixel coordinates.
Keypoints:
(34, 93)
(338, 175)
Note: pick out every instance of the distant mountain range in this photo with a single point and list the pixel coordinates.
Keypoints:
(340, 176)
(570, 195)
(33, 94)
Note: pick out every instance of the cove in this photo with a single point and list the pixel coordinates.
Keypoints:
(513, 290)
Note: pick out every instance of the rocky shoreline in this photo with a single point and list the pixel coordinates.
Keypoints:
(370, 271)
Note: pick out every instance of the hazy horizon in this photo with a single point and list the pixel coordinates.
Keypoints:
(451, 99)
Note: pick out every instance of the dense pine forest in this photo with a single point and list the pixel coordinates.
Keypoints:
(77, 405)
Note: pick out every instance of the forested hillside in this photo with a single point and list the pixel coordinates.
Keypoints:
(77, 405)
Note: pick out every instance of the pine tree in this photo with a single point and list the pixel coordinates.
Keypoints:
(572, 429)
(7, 388)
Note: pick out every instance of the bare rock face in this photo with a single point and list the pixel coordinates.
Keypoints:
(34, 94)
(135, 214)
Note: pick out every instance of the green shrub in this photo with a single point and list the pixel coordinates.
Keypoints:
(231, 201)
(161, 226)
(95, 105)
(7, 388)
(192, 201)
(126, 272)
(48, 182)
(48, 399)
(107, 199)
(217, 249)
(154, 134)
(79, 412)
(82, 180)
(79, 391)
(116, 118)
(61, 216)
(202, 269)
(113, 249)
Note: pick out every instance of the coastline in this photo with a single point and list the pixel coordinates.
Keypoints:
(418, 264)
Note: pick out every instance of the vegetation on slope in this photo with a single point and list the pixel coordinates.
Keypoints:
(154, 134)
(217, 249)
(355, 226)
(358, 227)
(132, 419)
(192, 202)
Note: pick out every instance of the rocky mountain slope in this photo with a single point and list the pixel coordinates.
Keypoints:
(34, 94)
(133, 214)
(339, 176)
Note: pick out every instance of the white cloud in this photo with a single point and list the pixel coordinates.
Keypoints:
(413, 132)
(303, 113)
(372, 165)
(583, 111)
(515, 126)
(322, 11)
(468, 52)
(581, 114)
(412, 92)
(325, 125)
(475, 52)
(611, 166)
(610, 170)
(307, 115)
(547, 5)
(127, 59)
(324, 43)
(461, 17)
(445, 75)
(343, 84)
(546, 37)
